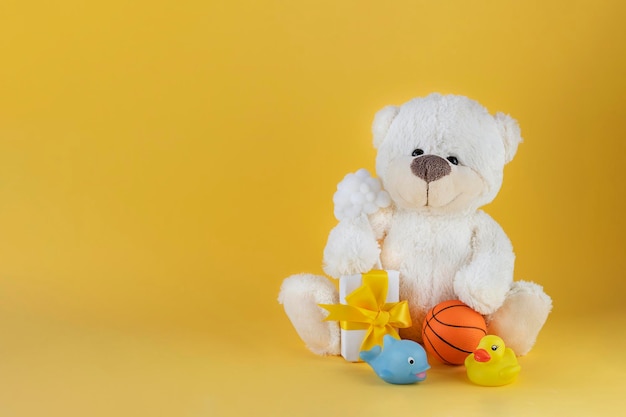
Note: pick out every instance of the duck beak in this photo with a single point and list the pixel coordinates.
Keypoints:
(481, 355)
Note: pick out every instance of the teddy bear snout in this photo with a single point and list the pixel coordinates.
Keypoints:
(430, 167)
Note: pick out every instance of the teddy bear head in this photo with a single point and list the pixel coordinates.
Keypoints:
(442, 154)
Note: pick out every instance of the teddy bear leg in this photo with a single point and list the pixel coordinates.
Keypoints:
(521, 317)
(300, 295)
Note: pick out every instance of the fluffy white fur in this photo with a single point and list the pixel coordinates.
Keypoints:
(433, 233)
(300, 296)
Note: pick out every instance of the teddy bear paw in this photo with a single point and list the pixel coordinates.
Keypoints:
(301, 295)
(351, 248)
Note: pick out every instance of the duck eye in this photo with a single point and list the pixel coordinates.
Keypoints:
(417, 152)
(494, 347)
(411, 360)
(453, 160)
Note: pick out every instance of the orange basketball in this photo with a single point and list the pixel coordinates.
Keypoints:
(451, 331)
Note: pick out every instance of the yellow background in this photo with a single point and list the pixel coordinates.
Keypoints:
(163, 163)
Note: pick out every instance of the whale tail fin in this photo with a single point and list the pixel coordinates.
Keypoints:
(369, 355)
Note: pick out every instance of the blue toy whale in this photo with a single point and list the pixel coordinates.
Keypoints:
(398, 362)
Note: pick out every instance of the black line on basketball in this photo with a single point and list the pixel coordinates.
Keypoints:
(456, 325)
(441, 358)
(444, 340)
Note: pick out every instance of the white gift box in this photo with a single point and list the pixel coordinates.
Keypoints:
(351, 340)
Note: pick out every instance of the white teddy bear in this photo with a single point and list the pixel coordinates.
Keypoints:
(440, 158)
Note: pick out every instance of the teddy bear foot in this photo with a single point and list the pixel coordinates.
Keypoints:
(300, 295)
(521, 317)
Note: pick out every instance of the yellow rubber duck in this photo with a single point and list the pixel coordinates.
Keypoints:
(492, 364)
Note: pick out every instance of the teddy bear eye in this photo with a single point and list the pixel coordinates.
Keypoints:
(453, 160)
(417, 152)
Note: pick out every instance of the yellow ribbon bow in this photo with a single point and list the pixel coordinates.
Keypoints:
(366, 309)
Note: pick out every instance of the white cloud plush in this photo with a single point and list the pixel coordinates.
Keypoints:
(359, 193)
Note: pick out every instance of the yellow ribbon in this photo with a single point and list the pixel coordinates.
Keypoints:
(366, 309)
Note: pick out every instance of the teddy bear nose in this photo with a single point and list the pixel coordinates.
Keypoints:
(430, 167)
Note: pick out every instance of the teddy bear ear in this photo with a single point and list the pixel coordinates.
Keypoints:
(381, 124)
(511, 135)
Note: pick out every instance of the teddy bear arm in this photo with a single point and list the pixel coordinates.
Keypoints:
(351, 248)
(484, 281)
